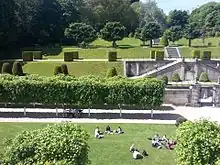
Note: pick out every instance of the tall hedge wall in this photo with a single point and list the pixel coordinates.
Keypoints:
(81, 91)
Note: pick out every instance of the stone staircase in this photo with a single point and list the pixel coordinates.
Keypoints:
(172, 52)
(158, 69)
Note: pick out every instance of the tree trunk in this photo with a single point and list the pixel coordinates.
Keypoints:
(143, 43)
(114, 44)
(151, 43)
(190, 42)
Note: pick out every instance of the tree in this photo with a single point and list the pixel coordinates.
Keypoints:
(65, 143)
(150, 12)
(191, 33)
(113, 31)
(178, 18)
(81, 33)
(164, 40)
(150, 31)
(112, 72)
(174, 33)
(17, 69)
(198, 143)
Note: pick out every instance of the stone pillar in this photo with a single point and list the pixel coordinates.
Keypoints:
(195, 95)
(125, 68)
(216, 95)
(137, 69)
(182, 72)
(196, 69)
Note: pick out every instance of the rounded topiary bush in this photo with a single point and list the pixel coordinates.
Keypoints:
(17, 69)
(176, 77)
(180, 120)
(55, 144)
(165, 79)
(57, 70)
(198, 143)
(112, 72)
(204, 77)
(6, 68)
(64, 69)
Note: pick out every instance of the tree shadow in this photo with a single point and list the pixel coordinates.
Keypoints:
(52, 51)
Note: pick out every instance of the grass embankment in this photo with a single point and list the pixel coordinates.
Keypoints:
(113, 149)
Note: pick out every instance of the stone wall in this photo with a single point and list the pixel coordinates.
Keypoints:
(176, 96)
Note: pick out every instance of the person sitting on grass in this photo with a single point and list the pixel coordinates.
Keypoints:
(164, 138)
(156, 143)
(98, 134)
(119, 130)
(136, 153)
(171, 144)
(108, 130)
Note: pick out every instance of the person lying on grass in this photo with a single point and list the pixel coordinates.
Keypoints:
(98, 134)
(136, 153)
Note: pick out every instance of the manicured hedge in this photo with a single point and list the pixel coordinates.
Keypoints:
(68, 56)
(112, 56)
(75, 55)
(152, 54)
(27, 56)
(159, 55)
(81, 91)
(206, 55)
(38, 55)
(195, 54)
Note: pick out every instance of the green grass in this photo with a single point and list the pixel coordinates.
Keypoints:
(75, 68)
(113, 149)
(198, 42)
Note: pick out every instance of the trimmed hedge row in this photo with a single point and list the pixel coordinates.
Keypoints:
(81, 91)
(206, 55)
(112, 56)
(157, 55)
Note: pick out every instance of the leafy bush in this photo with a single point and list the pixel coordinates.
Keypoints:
(57, 70)
(38, 55)
(17, 69)
(6, 68)
(112, 56)
(64, 69)
(75, 55)
(159, 55)
(58, 143)
(165, 79)
(209, 44)
(206, 55)
(27, 56)
(198, 143)
(152, 54)
(196, 54)
(164, 41)
(180, 120)
(85, 91)
(176, 77)
(204, 77)
(68, 56)
(112, 72)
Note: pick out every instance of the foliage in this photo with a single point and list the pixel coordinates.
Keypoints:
(75, 55)
(113, 31)
(196, 54)
(152, 54)
(68, 56)
(174, 33)
(198, 143)
(6, 68)
(17, 69)
(191, 32)
(27, 56)
(150, 31)
(57, 70)
(38, 55)
(165, 79)
(178, 18)
(206, 55)
(64, 142)
(81, 33)
(112, 56)
(164, 41)
(204, 77)
(159, 55)
(64, 69)
(180, 121)
(176, 77)
(112, 72)
(81, 91)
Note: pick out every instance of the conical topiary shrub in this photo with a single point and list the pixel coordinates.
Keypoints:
(17, 69)
(204, 77)
(64, 69)
(165, 79)
(57, 70)
(6, 68)
(112, 72)
(176, 77)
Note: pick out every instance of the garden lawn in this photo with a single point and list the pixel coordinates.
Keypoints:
(75, 68)
(113, 149)
(198, 42)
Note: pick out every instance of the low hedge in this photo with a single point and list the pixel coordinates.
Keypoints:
(152, 54)
(85, 91)
(75, 55)
(206, 55)
(68, 56)
(112, 56)
(38, 55)
(195, 54)
(27, 56)
(159, 55)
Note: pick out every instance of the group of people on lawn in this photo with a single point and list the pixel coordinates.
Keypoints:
(157, 141)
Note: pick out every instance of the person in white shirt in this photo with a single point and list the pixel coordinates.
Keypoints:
(97, 133)
(137, 155)
(132, 149)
